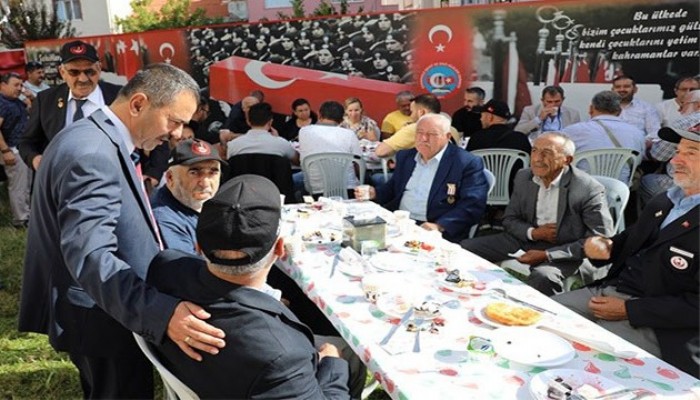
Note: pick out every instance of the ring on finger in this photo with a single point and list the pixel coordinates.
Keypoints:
(187, 339)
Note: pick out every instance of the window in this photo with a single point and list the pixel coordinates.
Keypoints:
(278, 3)
(67, 10)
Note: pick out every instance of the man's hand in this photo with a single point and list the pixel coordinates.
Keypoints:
(545, 233)
(597, 248)
(274, 132)
(9, 158)
(431, 226)
(36, 161)
(328, 350)
(533, 257)
(189, 332)
(608, 308)
(548, 112)
(358, 192)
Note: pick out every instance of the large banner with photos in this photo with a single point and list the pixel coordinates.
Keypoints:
(512, 51)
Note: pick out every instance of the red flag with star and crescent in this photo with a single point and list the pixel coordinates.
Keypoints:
(443, 56)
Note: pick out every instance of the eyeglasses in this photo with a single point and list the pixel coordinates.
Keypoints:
(429, 135)
(89, 72)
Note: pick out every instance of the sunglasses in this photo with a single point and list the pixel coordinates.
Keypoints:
(89, 72)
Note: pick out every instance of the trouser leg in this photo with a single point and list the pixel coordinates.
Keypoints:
(114, 377)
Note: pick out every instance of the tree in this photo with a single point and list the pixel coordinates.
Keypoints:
(174, 14)
(25, 20)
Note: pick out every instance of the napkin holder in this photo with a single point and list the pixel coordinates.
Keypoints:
(358, 229)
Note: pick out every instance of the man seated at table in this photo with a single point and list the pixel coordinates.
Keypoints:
(191, 179)
(553, 209)
(269, 353)
(442, 186)
(396, 119)
(259, 140)
(548, 116)
(650, 294)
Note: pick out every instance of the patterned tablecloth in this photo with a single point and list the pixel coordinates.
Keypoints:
(445, 367)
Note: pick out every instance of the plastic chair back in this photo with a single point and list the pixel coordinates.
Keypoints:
(501, 163)
(609, 162)
(174, 388)
(492, 182)
(333, 168)
(617, 194)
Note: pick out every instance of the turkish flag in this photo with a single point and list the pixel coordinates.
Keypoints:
(443, 55)
(235, 77)
(127, 55)
(165, 47)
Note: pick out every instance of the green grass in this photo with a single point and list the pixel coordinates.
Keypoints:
(29, 367)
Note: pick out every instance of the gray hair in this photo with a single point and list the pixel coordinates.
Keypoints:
(161, 83)
(568, 148)
(607, 102)
(404, 94)
(240, 270)
(443, 122)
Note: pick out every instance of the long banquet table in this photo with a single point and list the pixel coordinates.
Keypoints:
(446, 367)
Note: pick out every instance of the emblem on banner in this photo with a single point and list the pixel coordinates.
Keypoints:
(440, 79)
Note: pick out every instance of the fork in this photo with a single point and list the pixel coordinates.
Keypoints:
(416, 344)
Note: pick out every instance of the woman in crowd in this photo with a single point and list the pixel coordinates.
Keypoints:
(301, 117)
(355, 120)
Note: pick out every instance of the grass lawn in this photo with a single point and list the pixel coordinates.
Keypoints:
(29, 367)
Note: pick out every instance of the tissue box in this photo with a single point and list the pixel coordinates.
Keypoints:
(359, 229)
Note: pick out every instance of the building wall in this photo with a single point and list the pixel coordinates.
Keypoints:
(257, 9)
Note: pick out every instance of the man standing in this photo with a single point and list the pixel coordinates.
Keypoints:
(92, 236)
(442, 186)
(270, 353)
(670, 110)
(79, 96)
(650, 294)
(553, 209)
(396, 119)
(13, 119)
(496, 133)
(606, 130)
(35, 78)
(548, 116)
(191, 179)
(466, 120)
(636, 111)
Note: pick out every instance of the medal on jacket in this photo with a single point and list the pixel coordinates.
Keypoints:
(451, 192)
(60, 102)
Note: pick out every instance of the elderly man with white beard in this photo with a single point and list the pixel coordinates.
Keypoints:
(192, 178)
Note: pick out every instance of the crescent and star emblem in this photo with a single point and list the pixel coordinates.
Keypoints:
(170, 47)
(440, 28)
(254, 71)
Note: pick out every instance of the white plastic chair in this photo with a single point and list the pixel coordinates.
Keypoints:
(501, 163)
(491, 179)
(385, 166)
(609, 162)
(617, 194)
(174, 388)
(333, 168)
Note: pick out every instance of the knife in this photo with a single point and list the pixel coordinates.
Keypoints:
(394, 328)
(335, 264)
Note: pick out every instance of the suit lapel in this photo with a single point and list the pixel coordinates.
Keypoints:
(562, 204)
(61, 107)
(439, 182)
(682, 225)
(531, 200)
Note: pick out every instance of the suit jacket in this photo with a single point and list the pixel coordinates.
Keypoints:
(90, 241)
(530, 118)
(666, 274)
(582, 212)
(269, 353)
(457, 167)
(48, 117)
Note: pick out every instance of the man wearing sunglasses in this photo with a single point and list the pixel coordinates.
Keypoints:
(54, 109)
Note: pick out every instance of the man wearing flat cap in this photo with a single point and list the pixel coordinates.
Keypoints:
(79, 96)
(650, 295)
(269, 352)
(192, 178)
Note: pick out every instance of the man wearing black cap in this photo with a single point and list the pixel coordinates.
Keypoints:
(496, 133)
(269, 352)
(191, 179)
(35, 78)
(79, 96)
(650, 294)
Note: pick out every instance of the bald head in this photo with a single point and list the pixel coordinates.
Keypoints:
(248, 102)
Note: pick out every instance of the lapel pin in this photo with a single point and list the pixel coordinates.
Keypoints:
(685, 224)
(60, 103)
(451, 192)
(659, 213)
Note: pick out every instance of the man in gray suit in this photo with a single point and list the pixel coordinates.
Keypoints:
(549, 116)
(554, 208)
(92, 236)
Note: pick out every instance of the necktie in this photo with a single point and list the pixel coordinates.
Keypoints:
(135, 157)
(78, 109)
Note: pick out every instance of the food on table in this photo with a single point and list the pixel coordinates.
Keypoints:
(320, 237)
(428, 309)
(512, 315)
(416, 245)
(455, 277)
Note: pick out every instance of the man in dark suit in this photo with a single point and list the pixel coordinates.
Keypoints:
(553, 209)
(650, 295)
(91, 237)
(443, 186)
(270, 353)
(56, 108)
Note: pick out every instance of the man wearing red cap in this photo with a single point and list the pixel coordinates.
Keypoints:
(79, 96)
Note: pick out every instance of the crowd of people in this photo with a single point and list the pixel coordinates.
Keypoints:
(143, 168)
